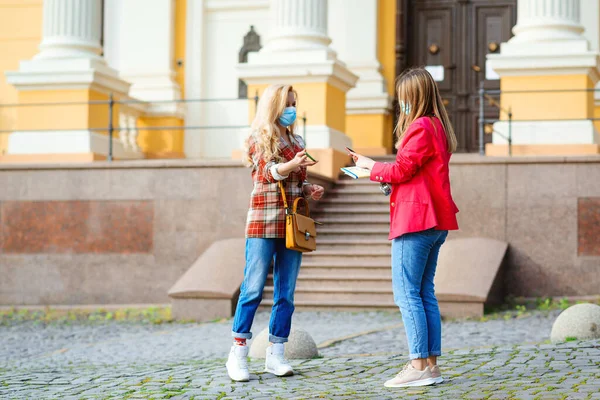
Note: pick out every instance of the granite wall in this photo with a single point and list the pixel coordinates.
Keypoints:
(124, 232)
(547, 209)
(118, 233)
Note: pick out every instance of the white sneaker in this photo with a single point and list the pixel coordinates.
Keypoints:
(275, 363)
(410, 376)
(237, 364)
(436, 374)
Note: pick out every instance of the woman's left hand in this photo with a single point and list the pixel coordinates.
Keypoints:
(315, 191)
(362, 161)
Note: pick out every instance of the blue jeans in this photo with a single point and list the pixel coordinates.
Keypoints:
(259, 255)
(414, 260)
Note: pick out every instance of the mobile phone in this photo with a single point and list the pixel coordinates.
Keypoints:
(309, 156)
(349, 149)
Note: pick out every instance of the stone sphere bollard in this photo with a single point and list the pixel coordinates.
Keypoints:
(581, 321)
(300, 345)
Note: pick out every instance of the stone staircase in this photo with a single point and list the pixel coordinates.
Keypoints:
(351, 269)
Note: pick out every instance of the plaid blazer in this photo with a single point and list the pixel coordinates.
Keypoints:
(266, 216)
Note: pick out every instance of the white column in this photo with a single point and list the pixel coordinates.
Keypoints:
(548, 40)
(546, 27)
(547, 21)
(589, 16)
(298, 51)
(141, 42)
(358, 48)
(69, 59)
(298, 24)
(298, 27)
(69, 52)
(71, 29)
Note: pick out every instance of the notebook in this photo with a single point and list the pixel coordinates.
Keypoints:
(356, 172)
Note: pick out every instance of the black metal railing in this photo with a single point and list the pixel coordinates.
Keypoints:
(483, 122)
(111, 104)
(486, 124)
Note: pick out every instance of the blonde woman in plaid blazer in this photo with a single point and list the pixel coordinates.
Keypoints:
(274, 153)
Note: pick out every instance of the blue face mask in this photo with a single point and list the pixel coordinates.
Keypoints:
(404, 107)
(288, 117)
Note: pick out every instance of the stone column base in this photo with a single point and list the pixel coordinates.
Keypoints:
(51, 158)
(48, 145)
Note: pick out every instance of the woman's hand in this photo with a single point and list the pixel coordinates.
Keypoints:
(314, 191)
(300, 160)
(362, 161)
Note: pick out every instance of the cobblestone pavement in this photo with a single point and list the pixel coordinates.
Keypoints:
(534, 328)
(483, 360)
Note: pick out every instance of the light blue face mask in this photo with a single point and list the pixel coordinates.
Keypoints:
(404, 107)
(288, 117)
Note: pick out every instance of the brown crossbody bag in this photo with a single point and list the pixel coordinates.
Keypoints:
(300, 230)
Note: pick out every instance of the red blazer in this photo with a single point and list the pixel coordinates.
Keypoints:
(421, 197)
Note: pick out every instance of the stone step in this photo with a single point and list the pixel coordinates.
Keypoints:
(448, 309)
(349, 191)
(366, 208)
(355, 183)
(348, 253)
(361, 244)
(359, 221)
(332, 294)
(346, 262)
(354, 196)
(348, 230)
(365, 202)
(360, 211)
(357, 227)
(348, 281)
(340, 270)
(345, 232)
(334, 305)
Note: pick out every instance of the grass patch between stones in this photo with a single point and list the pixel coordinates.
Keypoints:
(48, 315)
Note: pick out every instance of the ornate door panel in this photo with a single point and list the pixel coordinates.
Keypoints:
(452, 39)
(493, 22)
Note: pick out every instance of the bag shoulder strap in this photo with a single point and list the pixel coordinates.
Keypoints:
(285, 204)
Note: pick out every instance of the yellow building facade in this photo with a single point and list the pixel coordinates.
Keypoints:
(71, 66)
(147, 110)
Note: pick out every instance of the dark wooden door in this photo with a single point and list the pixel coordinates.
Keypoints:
(452, 39)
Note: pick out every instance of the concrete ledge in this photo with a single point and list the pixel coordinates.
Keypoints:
(452, 310)
(134, 164)
(476, 159)
(209, 289)
(542, 150)
(467, 275)
(457, 159)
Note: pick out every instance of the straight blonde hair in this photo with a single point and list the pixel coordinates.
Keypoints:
(417, 89)
(264, 127)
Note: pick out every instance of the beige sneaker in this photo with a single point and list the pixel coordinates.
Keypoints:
(410, 376)
(436, 374)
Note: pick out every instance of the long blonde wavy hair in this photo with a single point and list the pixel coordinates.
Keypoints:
(264, 128)
(417, 88)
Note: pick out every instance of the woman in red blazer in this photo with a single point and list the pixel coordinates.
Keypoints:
(421, 214)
